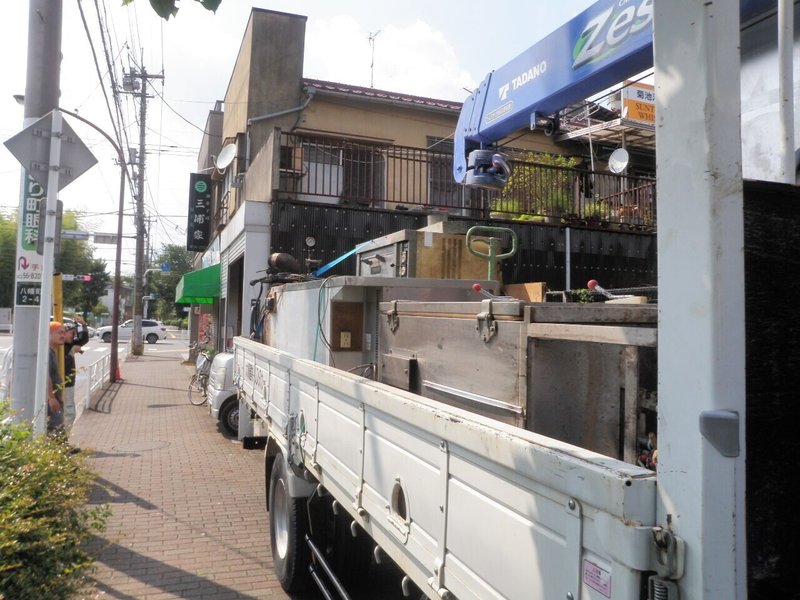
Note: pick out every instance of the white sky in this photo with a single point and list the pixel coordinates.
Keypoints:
(426, 48)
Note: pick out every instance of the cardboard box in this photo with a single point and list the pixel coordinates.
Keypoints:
(529, 292)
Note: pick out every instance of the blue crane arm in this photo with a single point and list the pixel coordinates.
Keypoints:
(602, 46)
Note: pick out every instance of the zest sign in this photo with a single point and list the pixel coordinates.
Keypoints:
(603, 34)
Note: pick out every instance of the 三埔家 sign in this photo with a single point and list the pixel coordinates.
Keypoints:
(198, 230)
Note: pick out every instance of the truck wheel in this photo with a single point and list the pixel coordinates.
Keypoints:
(288, 524)
(229, 416)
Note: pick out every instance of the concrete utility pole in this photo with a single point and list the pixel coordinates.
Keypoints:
(137, 347)
(41, 96)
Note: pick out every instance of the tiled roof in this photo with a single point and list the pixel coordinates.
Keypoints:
(373, 93)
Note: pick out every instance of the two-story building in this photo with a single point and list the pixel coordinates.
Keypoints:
(321, 166)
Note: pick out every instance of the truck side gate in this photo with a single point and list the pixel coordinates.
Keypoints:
(461, 503)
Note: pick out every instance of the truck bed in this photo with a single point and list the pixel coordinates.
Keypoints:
(464, 504)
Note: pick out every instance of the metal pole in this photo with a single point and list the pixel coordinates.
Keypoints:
(786, 88)
(41, 96)
(137, 348)
(48, 262)
(123, 173)
(114, 365)
(568, 255)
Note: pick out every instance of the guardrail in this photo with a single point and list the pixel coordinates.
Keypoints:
(100, 373)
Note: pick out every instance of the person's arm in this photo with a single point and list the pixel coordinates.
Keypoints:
(83, 338)
(52, 401)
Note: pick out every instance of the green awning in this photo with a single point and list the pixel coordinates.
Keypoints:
(199, 287)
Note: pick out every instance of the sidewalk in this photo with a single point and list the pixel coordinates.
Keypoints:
(188, 519)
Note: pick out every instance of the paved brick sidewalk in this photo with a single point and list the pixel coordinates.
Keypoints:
(188, 503)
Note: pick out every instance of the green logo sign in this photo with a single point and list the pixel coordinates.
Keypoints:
(201, 187)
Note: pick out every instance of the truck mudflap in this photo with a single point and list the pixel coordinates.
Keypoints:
(466, 506)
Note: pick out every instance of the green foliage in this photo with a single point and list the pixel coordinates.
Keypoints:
(169, 8)
(163, 283)
(44, 519)
(179, 323)
(594, 210)
(90, 292)
(541, 185)
(583, 295)
(75, 258)
(8, 254)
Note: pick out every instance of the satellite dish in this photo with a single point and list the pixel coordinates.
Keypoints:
(226, 156)
(618, 160)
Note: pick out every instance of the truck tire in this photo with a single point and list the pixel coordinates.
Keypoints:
(229, 416)
(288, 524)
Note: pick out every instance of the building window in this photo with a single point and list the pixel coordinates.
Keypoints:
(443, 191)
(363, 173)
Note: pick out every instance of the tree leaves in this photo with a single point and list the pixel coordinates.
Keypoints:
(169, 8)
(76, 258)
(163, 284)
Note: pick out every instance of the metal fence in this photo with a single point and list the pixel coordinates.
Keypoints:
(344, 172)
(537, 191)
(562, 256)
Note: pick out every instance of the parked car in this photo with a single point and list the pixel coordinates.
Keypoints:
(152, 331)
(223, 399)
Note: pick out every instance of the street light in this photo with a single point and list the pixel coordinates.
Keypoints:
(123, 172)
(114, 366)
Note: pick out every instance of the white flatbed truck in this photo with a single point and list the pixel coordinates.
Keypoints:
(454, 490)
(455, 484)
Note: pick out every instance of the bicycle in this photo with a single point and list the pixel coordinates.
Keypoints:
(261, 306)
(198, 384)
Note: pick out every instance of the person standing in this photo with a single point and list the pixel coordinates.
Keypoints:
(77, 334)
(55, 404)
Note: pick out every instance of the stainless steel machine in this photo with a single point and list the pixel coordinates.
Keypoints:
(580, 373)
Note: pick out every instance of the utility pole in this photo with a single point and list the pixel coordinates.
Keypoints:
(41, 96)
(137, 347)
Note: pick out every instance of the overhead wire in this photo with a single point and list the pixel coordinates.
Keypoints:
(100, 78)
(179, 115)
(122, 130)
(160, 115)
(125, 114)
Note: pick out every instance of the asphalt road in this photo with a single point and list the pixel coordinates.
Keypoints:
(96, 350)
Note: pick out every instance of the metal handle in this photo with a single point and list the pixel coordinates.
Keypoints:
(491, 253)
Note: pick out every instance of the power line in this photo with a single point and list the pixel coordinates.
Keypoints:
(100, 76)
(200, 129)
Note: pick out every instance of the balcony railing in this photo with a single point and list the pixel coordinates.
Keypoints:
(337, 171)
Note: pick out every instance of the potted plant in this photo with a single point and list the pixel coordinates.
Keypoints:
(540, 185)
(593, 212)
